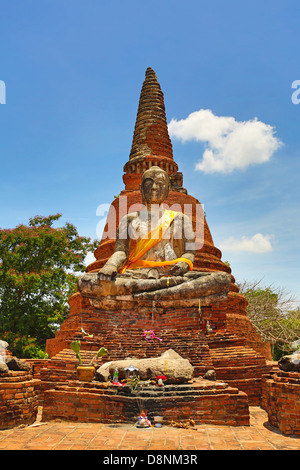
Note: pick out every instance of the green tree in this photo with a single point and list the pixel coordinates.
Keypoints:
(38, 266)
(274, 314)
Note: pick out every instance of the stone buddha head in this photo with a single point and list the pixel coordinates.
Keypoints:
(155, 186)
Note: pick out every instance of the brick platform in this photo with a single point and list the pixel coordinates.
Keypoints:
(281, 400)
(18, 399)
(181, 329)
(202, 400)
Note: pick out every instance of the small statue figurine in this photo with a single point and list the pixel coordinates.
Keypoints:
(143, 421)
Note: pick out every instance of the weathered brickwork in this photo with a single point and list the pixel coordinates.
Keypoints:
(50, 372)
(281, 400)
(181, 329)
(95, 402)
(19, 393)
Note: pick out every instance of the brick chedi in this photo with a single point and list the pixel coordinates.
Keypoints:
(152, 146)
(219, 336)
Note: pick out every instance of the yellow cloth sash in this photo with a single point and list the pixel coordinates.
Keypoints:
(134, 260)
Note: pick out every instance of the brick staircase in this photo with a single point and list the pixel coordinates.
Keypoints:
(240, 367)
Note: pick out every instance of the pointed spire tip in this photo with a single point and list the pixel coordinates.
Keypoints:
(150, 71)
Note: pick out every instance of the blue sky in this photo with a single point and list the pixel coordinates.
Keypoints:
(73, 71)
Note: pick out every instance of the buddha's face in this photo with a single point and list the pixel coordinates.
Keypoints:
(155, 186)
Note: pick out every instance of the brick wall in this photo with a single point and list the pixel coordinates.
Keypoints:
(239, 366)
(18, 399)
(121, 332)
(281, 400)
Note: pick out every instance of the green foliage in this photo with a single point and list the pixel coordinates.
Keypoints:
(23, 346)
(133, 383)
(75, 346)
(102, 352)
(38, 266)
(271, 312)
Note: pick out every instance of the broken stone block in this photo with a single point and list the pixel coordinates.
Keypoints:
(170, 363)
(290, 363)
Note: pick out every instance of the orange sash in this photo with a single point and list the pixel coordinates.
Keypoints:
(134, 260)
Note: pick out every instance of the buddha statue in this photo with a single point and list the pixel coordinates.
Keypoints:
(153, 258)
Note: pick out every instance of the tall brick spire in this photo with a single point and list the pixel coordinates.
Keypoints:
(151, 144)
(151, 135)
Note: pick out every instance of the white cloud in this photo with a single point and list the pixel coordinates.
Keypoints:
(257, 244)
(230, 144)
(89, 259)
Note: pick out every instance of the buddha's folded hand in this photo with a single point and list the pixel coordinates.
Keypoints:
(108, 272)
(180, 268)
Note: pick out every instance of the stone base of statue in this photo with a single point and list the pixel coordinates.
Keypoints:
(197, 333)
(190, 290)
